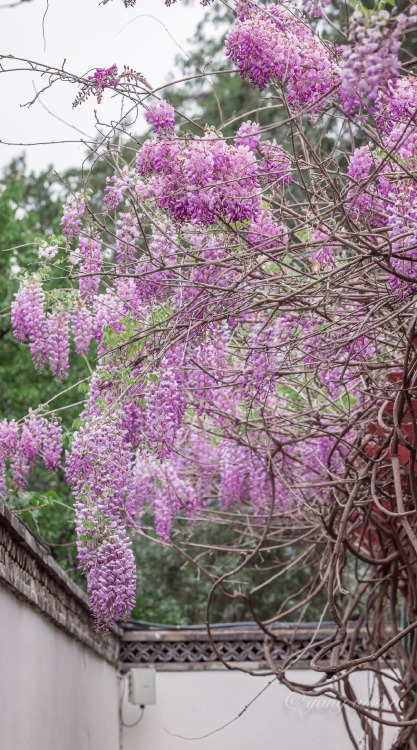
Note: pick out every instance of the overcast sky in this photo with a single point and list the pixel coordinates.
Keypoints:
(87, 35)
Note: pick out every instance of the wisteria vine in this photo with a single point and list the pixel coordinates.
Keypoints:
(253, 304)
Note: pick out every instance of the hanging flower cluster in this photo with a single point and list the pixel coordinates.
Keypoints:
(372, 60)
(23, 445)
(314, 8)
(202, 180)
(161, 116)
(46, 333)
(271, 44)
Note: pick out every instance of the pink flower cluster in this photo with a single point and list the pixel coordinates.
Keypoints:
(102, 78)
(116, 186)
(105, 78)
(267, 234)
(106, 556)
(82, 328)
(314, 8)
(202, 180)
(249, 135)
(168, 489)
(99, 470)
(22, 446)
(372, 61)
(165, 405)
(28, 310)
(271, 44)
(161, 116)
(46, 334)
(72, 215)
(108, 313)
(57, 330)
(127, 235)
(396, 103)
(89, 252)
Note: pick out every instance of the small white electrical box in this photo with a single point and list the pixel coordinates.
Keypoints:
(142, 686)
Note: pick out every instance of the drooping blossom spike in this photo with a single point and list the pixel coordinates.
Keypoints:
(52, 445)
(371, 62)
(166, 491)
(248, 135)
(101, 79)
(3, 483)
(271, 43)
(174, 495)
(99, 470)
(127, 235)
(402, 220)
(127, 292)
(210, 359)
(260, 367)
(161, 116)
(82, 328)
(165, 405)
(9, 432)
(101, 460)
(314, 8)
(116, 186)
(28, 310)
(149, 282)
(28, 319)
(109, 312)
(396, 103)
(234, 471)
(362, 193)
(28, 451)
(72, 215)
(106, 556)
(57, 342)
(46, 251)
(89, 249)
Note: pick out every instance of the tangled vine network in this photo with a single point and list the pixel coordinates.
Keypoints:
(254, 309)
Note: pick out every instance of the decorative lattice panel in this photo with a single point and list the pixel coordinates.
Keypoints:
(194, 647)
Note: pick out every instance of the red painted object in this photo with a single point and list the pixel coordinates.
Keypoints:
(380, 524)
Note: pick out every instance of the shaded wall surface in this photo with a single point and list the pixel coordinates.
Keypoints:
(55, 693)
(58, 676)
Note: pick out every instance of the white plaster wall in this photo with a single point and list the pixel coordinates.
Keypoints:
(193, 704)
(55, 694)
